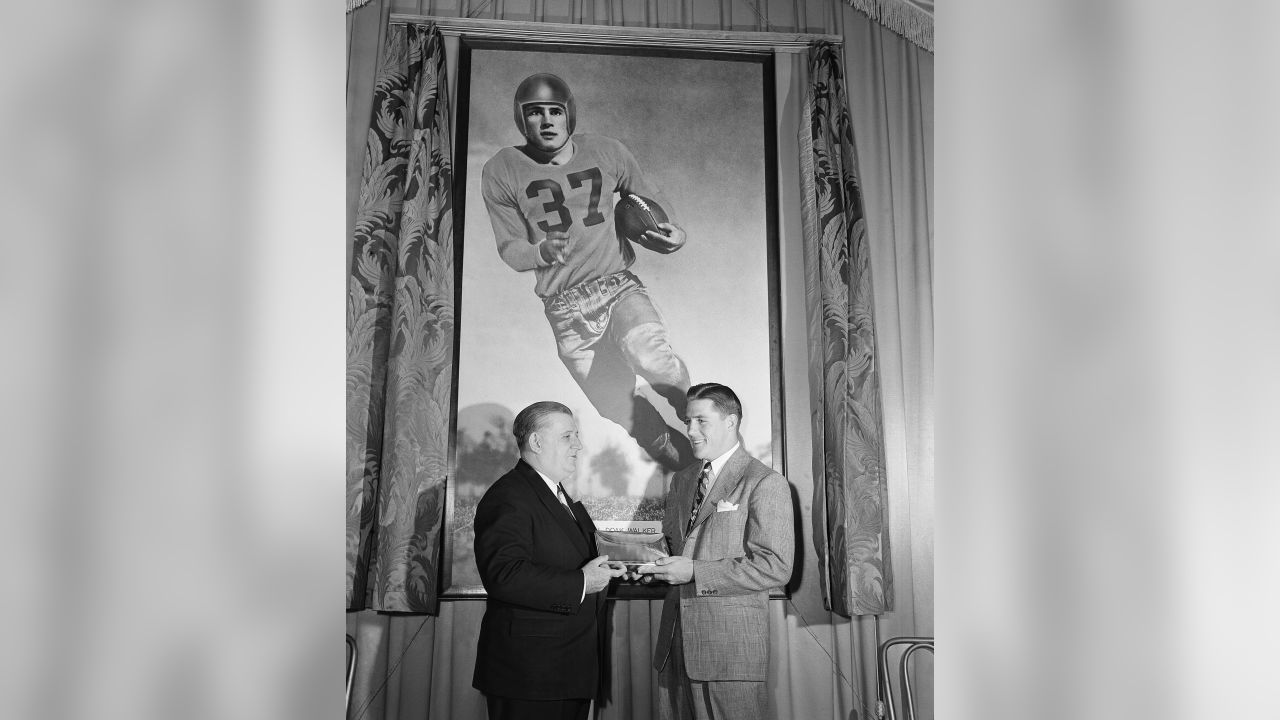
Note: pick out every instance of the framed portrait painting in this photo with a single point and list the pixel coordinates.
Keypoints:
(563, 296)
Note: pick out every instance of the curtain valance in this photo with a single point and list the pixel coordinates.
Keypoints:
(912, 19)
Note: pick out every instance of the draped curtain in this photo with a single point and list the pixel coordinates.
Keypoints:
(848, 435)
(400, 333)
(890, 89)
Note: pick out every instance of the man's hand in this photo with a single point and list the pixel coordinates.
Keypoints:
(671, 241)
(598, 572)
(555, 248)
(675, 570)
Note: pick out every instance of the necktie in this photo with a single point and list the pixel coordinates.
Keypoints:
(702, 494)
(564, 500)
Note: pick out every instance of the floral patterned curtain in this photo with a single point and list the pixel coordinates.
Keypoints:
(848, 432)
(400, 333)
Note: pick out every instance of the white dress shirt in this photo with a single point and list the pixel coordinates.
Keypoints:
(718, 464)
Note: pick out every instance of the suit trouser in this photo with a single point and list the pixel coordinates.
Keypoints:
(680, 698)
(509, 709)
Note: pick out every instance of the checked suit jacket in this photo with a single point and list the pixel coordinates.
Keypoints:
(742, 546)
(537, 641)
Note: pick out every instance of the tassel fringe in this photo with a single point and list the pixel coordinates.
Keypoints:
(901, 17)
(353, 4)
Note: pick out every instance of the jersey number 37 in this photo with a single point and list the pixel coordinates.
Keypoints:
(555, 205)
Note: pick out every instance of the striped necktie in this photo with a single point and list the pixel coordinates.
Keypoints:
(702, 494)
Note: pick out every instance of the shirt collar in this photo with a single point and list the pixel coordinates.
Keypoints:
(718, 464)
(553, 486)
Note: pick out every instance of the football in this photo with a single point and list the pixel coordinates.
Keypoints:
(636, 214)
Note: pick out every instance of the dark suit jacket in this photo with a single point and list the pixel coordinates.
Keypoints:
(537, 641)
(742, 545)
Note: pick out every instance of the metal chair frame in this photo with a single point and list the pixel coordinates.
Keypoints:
(351, 668)
(884, 705)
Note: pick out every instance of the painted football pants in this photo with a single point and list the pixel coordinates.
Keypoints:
(607, 332)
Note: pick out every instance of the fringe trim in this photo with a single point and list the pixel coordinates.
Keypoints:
(900, 16)
(354, 4)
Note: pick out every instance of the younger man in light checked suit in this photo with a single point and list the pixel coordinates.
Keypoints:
(729, 522)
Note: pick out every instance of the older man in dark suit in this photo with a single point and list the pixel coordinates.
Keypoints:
(541, 636)
(729, 522)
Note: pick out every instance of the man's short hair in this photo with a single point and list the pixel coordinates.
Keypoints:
(530, 419)
(721, 396)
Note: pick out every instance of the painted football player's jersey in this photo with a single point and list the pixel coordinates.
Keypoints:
(526, 200)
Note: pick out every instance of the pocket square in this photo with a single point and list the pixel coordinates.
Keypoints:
(725, 506)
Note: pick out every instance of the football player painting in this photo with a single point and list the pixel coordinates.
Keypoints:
(551, 203)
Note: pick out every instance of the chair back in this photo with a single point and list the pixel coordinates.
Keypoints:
(885, 706)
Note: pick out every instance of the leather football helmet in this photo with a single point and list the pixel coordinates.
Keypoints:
(544, 88)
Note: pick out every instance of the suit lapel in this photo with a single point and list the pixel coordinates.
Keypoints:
(552, 505)
(684, 484)
(585, 525)
(729, 478)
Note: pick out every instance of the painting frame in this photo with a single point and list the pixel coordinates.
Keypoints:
(473, 288)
